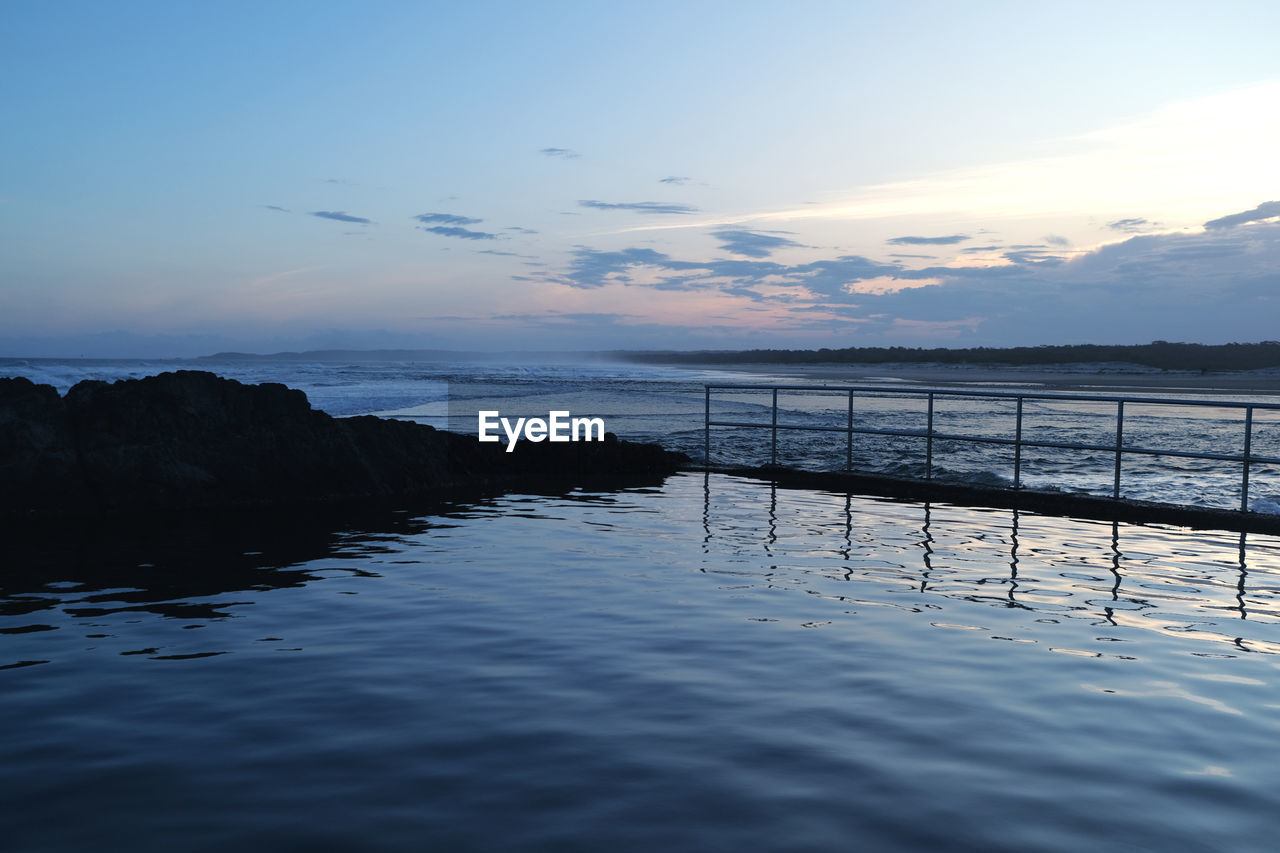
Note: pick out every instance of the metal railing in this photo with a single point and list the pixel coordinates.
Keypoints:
(929, 434)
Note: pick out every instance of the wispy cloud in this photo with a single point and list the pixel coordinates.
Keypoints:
(1032, 256)
(464, 233)
(639, 206)
(519, 230)
(1128, 226)
(565, 153)
(446, 219)
(752, 244)
(529, 260)
(275, 207)
(1056, 240)
(949, 240)
(675, 179)
(1266, 210)
(340, 216)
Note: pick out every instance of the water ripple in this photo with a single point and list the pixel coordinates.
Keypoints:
(717, 664)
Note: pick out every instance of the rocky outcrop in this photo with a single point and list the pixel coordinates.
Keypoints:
(193, 440)
(39, 461)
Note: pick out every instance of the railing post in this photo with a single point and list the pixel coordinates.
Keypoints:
(1248, 441)
(1017, 450)
(1115, 488)
(848, 452)
(706, 427)
(773, 450)
(928, 443)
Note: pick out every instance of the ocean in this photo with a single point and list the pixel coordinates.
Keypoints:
(713, 663)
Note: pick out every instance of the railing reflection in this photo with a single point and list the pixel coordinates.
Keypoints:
(1174, 580)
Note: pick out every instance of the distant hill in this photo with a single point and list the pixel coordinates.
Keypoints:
(1158, 354)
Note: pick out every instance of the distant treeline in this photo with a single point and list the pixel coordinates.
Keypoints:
(1159, 354)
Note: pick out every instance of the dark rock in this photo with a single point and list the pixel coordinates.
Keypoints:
(192, 440)
(39, 464)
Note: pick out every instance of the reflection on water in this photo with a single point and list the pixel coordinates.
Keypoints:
(195, 571)
(714, 664)
(1192, 583)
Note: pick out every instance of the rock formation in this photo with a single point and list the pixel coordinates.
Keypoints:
(193, 440)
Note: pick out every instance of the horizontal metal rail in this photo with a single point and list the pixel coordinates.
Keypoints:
(985, 439)
(1008, 395)
(1246, 459)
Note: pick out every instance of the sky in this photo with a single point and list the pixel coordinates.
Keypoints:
(185, 178)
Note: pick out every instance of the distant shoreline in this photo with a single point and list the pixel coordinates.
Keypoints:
(1158, 355)
(1108, 378)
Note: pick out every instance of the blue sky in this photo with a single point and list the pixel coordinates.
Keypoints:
(181, 178)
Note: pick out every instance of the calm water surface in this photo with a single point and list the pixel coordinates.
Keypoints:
(713, 664)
